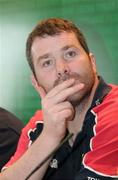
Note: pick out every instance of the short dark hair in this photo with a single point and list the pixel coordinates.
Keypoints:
(51, 27)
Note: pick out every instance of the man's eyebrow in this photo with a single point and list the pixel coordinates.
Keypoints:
(44, 56)
(67, 47)
(47, 55)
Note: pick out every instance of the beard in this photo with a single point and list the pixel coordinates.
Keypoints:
(88, 79)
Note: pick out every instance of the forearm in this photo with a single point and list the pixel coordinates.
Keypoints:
(33, 157)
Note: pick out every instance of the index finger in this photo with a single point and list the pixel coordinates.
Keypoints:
(61, 87)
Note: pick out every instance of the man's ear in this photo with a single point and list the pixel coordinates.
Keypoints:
(93, 62)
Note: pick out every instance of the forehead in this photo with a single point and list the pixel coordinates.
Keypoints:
(62, 38)
(50, 44)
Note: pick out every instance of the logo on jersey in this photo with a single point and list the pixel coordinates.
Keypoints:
(91, 178)
(54, 163)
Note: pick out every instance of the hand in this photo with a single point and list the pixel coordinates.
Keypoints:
(56, 109)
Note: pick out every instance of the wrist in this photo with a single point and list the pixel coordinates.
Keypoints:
(50, 139)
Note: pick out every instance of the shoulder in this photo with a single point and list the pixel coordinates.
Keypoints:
(102, 157)
(32, 124)
(107, 113)
(114, 92)
(34, 127)
(36, 118)
(9, 121)
(109, 105)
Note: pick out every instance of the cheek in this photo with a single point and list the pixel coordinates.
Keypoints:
(46, 81)
(83, 68)
(77, 67)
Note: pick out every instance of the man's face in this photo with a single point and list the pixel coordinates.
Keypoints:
(60, 57)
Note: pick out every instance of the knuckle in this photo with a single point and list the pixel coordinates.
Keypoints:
(68, 112)
(69, 105)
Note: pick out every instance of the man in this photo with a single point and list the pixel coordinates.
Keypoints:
(10, 130)
(74, 100)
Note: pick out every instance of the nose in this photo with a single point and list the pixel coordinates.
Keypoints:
(62, 69)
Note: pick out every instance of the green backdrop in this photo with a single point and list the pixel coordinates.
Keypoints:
(97, 18)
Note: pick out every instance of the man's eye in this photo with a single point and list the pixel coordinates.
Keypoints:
(70, 54)
(47, 63)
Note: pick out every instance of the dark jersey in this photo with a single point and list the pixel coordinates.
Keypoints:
(94, 155)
